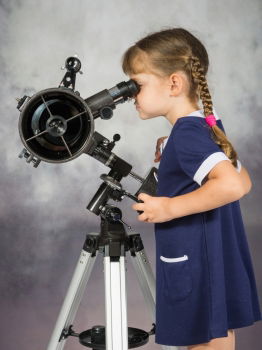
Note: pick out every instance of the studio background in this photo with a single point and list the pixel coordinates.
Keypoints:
(42, 211)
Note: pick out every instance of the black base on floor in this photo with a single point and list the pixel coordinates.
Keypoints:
(95, 338)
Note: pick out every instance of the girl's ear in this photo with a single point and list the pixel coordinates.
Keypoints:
(177, 83)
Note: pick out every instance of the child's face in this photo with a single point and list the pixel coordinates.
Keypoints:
(154, 97)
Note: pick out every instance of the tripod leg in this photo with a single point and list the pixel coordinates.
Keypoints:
(146, 278)
(72, 300)
(115, 299)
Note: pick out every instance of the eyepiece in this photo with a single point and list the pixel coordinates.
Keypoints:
(124, 90)
(129, 88)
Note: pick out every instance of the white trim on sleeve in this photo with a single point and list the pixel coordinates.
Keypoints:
(208, 164)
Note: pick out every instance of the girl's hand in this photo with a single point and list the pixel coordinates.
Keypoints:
(155, 209)
(158, 152)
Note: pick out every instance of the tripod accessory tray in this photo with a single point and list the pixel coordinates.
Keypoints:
(95, 338)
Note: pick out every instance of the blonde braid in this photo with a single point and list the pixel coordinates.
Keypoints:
(202, 87)
(203, 93)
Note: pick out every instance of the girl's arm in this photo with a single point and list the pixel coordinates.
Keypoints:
(224, 185)
(245, 178)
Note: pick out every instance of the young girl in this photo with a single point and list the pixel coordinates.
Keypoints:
(205, 285)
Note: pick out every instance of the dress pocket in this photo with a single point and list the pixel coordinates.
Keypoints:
(176, 277)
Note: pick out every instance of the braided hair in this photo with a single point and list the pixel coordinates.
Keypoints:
(204, 94)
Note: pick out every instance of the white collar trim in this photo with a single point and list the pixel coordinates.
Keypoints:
(200, 113)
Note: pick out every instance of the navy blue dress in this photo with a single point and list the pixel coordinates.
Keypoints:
(205, 283)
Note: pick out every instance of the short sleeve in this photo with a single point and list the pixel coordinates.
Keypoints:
(196, 151)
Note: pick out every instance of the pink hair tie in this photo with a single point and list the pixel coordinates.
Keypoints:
(211, 120)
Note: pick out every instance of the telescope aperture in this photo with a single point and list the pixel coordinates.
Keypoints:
(56, 125)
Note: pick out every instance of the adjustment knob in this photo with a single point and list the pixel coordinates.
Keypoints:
(106, 113)
(116, 137)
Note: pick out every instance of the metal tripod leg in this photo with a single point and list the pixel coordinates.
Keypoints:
(146, 278)
(115, 300)
(72, 300)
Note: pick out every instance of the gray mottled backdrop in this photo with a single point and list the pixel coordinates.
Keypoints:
(42, 211)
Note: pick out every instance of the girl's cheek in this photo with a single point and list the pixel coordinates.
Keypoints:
(139, 99)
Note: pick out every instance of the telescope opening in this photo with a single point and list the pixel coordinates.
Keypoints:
(56, 125)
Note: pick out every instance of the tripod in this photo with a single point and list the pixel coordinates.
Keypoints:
(112, 242)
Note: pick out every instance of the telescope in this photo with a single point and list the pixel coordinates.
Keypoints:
(56, 125)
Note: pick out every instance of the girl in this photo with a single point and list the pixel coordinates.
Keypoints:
(205, 285)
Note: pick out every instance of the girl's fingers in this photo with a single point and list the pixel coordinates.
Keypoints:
(142, 217)
(138, 206)
(158, 152)
(160, 141)
(157, 157)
